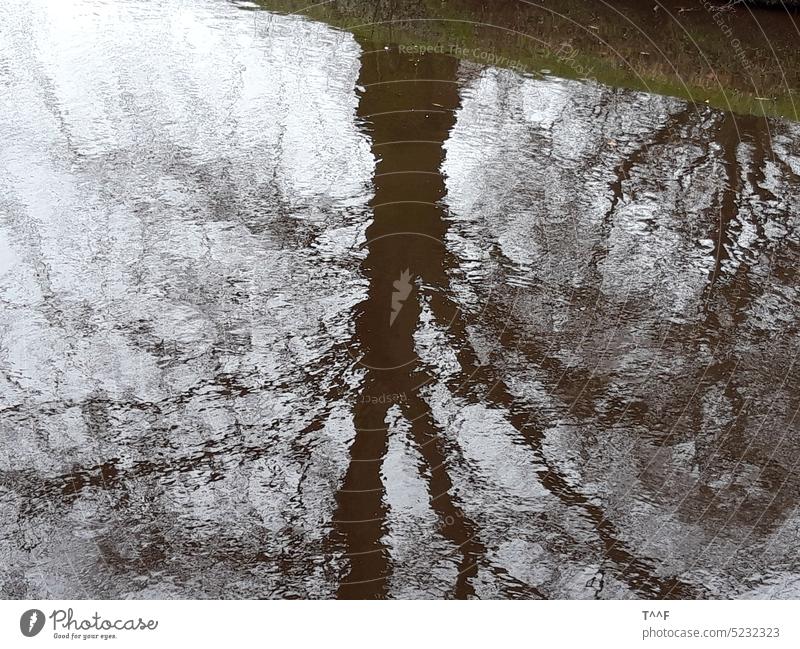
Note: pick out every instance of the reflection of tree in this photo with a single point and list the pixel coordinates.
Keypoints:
(409, 225)
(710, 176)
(408, 108)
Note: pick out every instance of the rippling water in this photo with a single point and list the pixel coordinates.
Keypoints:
(288, 314)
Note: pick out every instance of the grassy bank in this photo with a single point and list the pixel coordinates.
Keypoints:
(743, 59)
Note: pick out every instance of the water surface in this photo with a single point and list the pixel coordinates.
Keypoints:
(288, 313)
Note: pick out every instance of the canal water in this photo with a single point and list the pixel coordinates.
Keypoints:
(286, 312)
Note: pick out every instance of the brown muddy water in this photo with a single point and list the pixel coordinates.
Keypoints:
(290, 313)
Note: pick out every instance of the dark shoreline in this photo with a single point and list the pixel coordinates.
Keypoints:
(734, 57)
